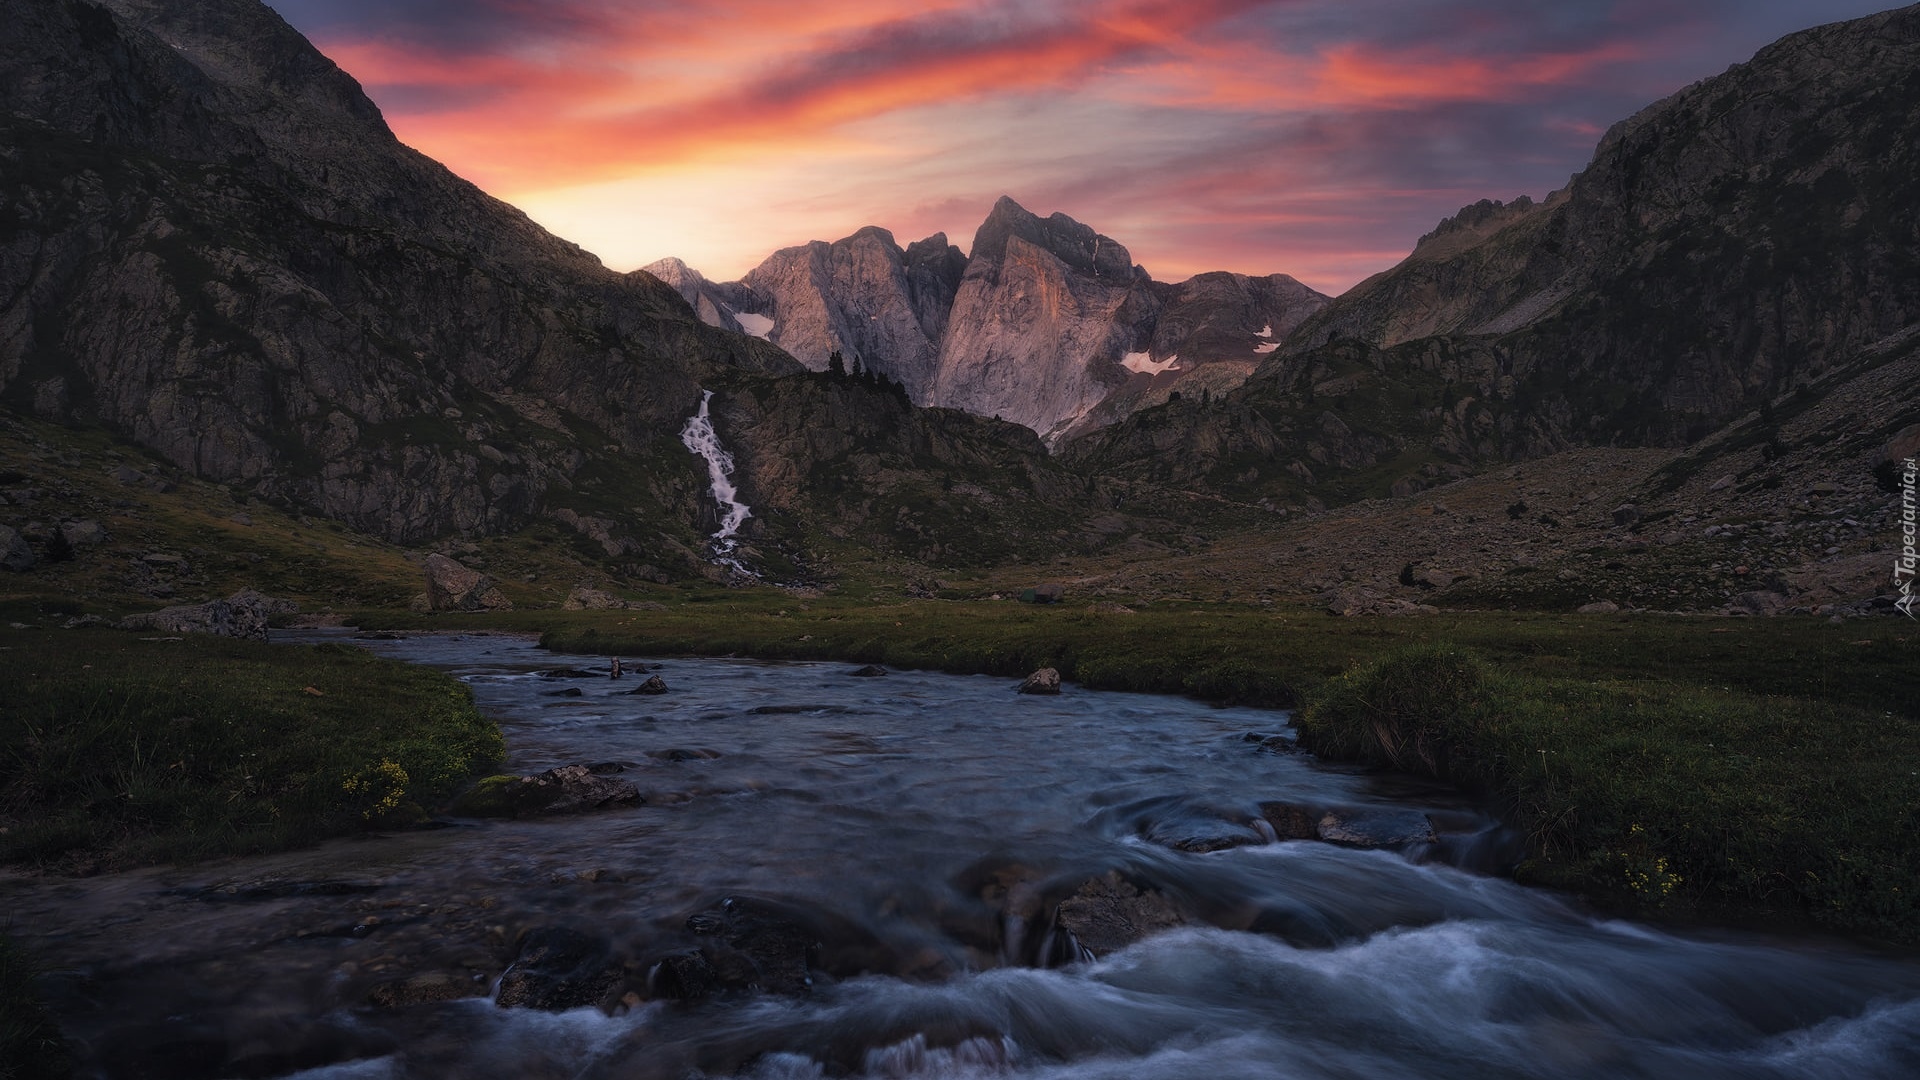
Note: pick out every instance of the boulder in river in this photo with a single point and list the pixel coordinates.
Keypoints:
(1109, 913)
(560, 969)
(1044, 681)
(426, 989)
(1373, 827)
(869, 672)
(654, 684)
(569, 789)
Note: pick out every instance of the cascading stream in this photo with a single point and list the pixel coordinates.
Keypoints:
(700, 438)
(902, 878)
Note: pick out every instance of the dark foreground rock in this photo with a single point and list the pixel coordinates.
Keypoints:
(1109, 913)
(242, 615)
(561, 969)
(1361, 827)
(869, 672)
(569, 789)
(654, 684)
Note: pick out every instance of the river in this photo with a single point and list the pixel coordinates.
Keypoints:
(833, 875)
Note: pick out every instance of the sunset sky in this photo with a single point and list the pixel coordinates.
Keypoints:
(1318, 138)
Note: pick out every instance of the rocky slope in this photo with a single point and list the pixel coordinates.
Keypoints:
(1045, 322)
(1728, 246)
(212, 244)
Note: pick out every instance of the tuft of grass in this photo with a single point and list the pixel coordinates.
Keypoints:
(1655, 796)
(31, 1047)
(119, 750)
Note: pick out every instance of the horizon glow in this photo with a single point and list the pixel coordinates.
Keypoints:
(1308, 137)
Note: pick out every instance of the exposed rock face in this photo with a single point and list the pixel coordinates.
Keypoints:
(214, 245)
(454, 587)
(862, 297)
(1044, 320)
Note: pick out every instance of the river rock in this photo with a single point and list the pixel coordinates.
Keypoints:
(1373, 827)
(871, 671)
(654, 684)
(569, 789)
(453, 587)
(561, 969)
(1109, 913)
(242, 615)
(1291, 821)
(426, 989)
(1278, 744)
(1598, 607)
(1044, 681)
(15, 554)
(765, 947)
(682, 976)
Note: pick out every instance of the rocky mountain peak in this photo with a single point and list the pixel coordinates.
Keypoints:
(1074, 244)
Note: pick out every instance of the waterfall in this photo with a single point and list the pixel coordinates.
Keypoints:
(700, 438)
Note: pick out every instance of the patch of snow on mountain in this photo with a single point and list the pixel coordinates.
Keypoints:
(1145, 364)
(757, 325)
(1267, 330)
(1266, 346)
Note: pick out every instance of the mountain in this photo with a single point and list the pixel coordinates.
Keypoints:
(213, 245)
(1045, 322)
(1753, 235)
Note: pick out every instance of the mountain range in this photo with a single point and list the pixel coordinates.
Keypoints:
(212, 246)
(1043, 321)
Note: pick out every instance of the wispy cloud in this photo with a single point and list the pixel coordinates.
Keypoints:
(1313, 137)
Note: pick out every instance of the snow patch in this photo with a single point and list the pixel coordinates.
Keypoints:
(1267, 330)
(1266, 346)
(1144, 363)
(757, 325)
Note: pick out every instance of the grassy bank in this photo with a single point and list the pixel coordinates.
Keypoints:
(1253, 654)
(1668, 798)
(118, 749)
(30, 1045)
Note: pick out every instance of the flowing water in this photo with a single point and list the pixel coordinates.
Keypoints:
(699, 437)
(919, 831)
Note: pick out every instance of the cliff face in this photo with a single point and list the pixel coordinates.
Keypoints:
(859, 297)
(211, 243)
(1750, 237)
(1044, 314)
(1045, 323)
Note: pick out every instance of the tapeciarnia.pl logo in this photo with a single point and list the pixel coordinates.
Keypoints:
(1903, 566)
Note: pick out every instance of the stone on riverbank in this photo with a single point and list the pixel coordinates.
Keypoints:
(242, 615)
(569, 789)
(1044, 681)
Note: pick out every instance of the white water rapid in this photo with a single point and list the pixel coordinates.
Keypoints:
(700, 438)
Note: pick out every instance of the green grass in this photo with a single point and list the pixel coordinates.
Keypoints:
(30, 1045)
(118, 749)
(1245, 653)
(1656, 796)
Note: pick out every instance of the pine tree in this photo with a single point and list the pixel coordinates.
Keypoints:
(836, 365)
